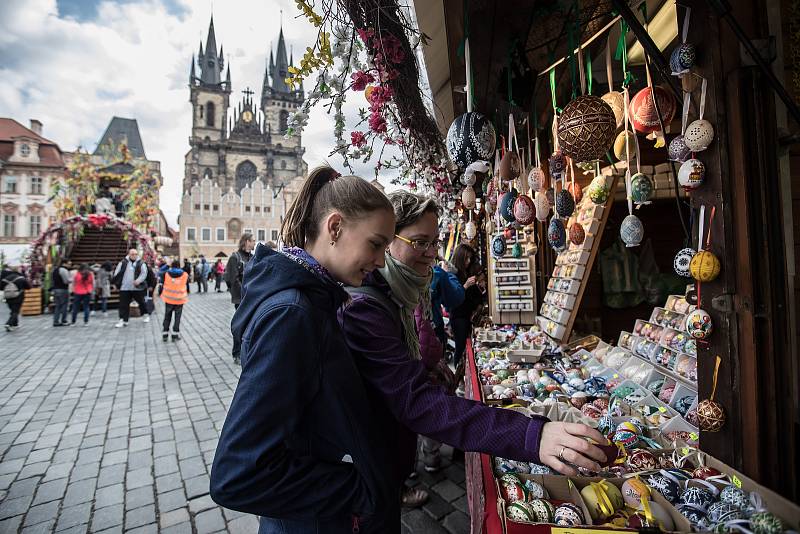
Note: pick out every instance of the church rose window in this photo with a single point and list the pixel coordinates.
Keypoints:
(245, 175)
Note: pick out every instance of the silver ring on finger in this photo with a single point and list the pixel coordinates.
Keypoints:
(561, 454)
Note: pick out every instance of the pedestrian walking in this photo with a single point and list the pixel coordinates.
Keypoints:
(102, 286)
(175, 295)
(130, 277)
(59, 287)
(201, 272)
(14, 286)
(187, 268)
(219, 272)
(234, 276)
(82, 289)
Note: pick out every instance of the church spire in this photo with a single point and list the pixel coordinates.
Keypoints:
(228, 77)
(281, 67)
(210, 63)
(191, 73)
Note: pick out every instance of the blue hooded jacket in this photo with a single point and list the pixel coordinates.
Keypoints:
(447, 291)
(298, 445)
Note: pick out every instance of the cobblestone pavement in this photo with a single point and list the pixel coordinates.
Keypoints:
(105, 429)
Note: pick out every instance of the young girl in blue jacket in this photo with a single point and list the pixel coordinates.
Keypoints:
(298, 447)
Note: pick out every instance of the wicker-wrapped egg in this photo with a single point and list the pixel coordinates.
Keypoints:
(699, 135)
(683, 261)
(577, 234)
(556, 234)
(542, 206)
(536, 179)
(616, 101)
(498, 246)
(620, 152)
(470, 138)
(710, 415)
(506, 206)
(691, 174)
(643, 111)
(510, 166)
(565, 204)
(576, 191)
(568, 515)
(682, 58)
(704, 266)
(698, 324)
(641, 188)
(558, 164)
(468, 197)
(586, 128)
(631, 231)
(677, 150)
(524, 210)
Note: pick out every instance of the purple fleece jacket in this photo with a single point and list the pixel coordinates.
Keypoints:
(408, 401)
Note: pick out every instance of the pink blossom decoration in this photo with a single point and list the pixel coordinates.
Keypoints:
(376, 122)
(358, 139)
(361, 79)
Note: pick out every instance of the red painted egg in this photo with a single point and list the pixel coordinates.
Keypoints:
(643, 111)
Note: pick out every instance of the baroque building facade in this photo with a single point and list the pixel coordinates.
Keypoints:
(241, 172)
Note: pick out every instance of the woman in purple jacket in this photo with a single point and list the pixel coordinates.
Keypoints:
(386, 346)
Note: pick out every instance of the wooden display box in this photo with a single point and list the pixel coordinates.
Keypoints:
(32, 305)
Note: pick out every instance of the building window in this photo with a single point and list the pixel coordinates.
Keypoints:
(206, 207)
(201, 111)
(283, 121)
(262, 235)
(275, 235)
(208, 173)
(283, 164)
(245, 174)
(36, 185)
(197, 207)
(210, 114)
(11, 184)
(191, 234)
(220, 234)
(267, 209)
(205, 234)
(247, 209)
(25, 150)
(258, 209)
(36, 225)
(216, 207)
(9, 225)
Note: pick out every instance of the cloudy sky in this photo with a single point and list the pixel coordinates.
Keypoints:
(74, 64)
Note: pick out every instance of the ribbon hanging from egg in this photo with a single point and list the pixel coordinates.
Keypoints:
(710, 413)
(683, 56)
(631, 230)
(700, 133)
(677, 150)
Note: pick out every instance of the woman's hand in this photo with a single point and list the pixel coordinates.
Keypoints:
(562, 442)
(470, 282)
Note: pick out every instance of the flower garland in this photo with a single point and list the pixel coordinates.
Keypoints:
(78, 190)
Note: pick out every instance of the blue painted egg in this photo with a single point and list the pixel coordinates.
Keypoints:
(682, 58)
(565, 204)
(641, 188)
(498, 246)
(677, 150)
(470, 138)
(506, 206)
(557, 234)
(631, 231)
(558, 164)
(699, 497)
(735, 496)
(720, 512)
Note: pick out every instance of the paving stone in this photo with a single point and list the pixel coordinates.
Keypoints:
(50, 491)
(30, 470)
(42, 528)
(41, 513)
(181, 528)
(110, 516)
(18, 451)
(22, 488)
(12, 466)
(461, 504)
(169, 482)
(173, 517)
(199, 504)
(419, 521)
(209, 521)
(165, 465)
(113, 474)
(109, 495)
(456, 523)
(455, 473)
(138, 478)
(147, 529)
(436, 507)
(84, 471)
(448, 490)
(138, 517)
(56, 471)
(11, 524)
(171, 500)
(139, 497)
(15, 507)
(192, 467)
(243, 525)
(73, 516)
(80, 492)
(197, 486)
(140, 460)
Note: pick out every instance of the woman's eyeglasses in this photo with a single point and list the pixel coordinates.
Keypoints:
(420, 245)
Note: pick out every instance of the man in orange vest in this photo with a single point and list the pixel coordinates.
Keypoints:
(174, 294)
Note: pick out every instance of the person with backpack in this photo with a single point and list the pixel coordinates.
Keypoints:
(234, 275)
(175, 295)
(130, 277)
(59, 288)
(82, 288)
(201, 272)
(14, 286)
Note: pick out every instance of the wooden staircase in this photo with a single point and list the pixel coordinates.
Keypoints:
(97, 246)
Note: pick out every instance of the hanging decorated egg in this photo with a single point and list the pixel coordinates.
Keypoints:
(682, 262)
(468, 197)
(586, 128)
(620, 152)
(536, 179)
(568, 515)
(565, 204)
(524, 210)
(470, 230)
(470, 138)
(598, 190)
(556, 234)
(699, 135)
(516, 251)
(677, 150)
(506, 206)
(542, 206)
(510, 166)
(558, 164)
(576, 191)
(698, 324)
(682, 58)
(616, 101)
(704, 266)
(577, 234)
(643, 111)
(551, 196)
(691, 174)
(498, 246)
(508, 233)
(631, 231)
(710, 415)
(633, 490)
(641, 188)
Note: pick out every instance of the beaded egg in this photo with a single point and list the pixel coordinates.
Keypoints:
(735, 496)
(516, 251)
(536, 179)
(557, 234)
(641, 460)
(564, 203)
(683, 261)
(699, 497)
(510, 166)
(667, 487)
(557, 163)
(720, 512)
(710, 415)
(542, 206)
(498, 246)
(682, 58)
(577, 234)
(506, 207)
(620, 152)
(633, 490)
(765, 523)
(631, 231)
(470, 138)
(542, 510)
(691, 174)
(705, 266)
(616, 101)
(643, 112)
(698, 324)
(586, 128)
(677, 150)
(568, 515)
(699, 135)
(641, 188)
(470, 230)
(524, 210)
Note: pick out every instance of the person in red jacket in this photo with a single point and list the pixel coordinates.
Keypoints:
(82, 289)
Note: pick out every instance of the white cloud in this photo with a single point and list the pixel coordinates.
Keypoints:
(132, 60)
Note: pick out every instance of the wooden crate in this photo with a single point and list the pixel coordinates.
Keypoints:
(32, 305)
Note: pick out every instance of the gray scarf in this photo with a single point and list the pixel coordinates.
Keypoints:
(408, 288)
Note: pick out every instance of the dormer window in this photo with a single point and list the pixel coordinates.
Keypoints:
(25, 150)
